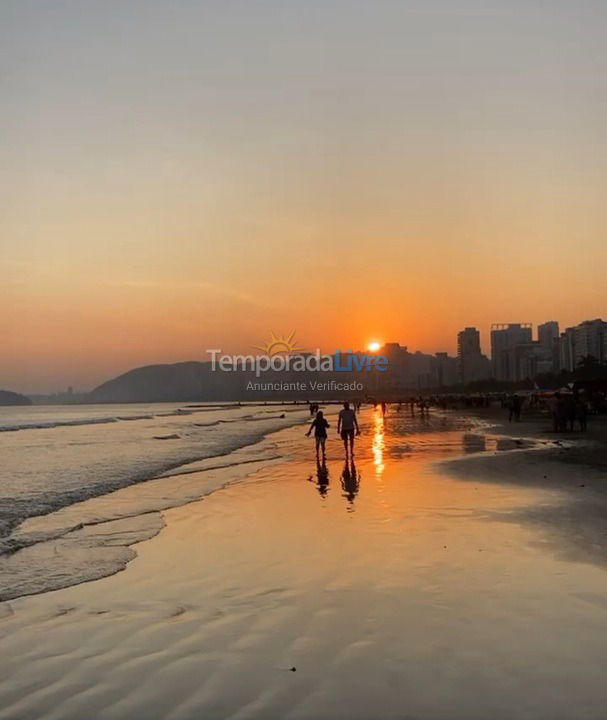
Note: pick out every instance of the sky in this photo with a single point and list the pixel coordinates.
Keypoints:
(177, 176)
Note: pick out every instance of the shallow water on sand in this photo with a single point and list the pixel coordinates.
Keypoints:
(387, 590)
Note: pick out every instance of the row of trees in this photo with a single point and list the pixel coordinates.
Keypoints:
(589, 368)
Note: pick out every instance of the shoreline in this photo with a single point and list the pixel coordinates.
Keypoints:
(113, 523)
(152, 501)
(474, 456)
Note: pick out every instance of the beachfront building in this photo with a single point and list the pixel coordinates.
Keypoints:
(589, 338)
(548, 333)
(532, 359)
(472, 365)
(409, 371)
(401, 373)
(468, 342)
(505, 338)
(444, 370)
(398, 374)
(566, 353)
(421, 376)
(548, 338)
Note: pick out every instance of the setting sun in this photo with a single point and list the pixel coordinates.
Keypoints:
(373, 346)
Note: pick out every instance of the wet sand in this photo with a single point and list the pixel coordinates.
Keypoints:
(574, 463)
(418, 585)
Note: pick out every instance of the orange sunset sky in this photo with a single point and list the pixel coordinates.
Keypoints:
(191, 175)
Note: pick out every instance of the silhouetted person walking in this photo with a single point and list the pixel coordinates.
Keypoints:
(319, 425)
(517, 405)
(582, 415)
(347, 424)
(570, 409)
(561, 411)
(553, 404)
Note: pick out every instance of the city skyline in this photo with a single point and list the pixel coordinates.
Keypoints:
(544, 349)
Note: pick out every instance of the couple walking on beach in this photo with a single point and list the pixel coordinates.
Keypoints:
(347, 427)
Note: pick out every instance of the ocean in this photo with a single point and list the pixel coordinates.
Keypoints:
(63, 468)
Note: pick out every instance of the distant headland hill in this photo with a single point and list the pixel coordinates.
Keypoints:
(12, 398)
(178, 382)
(196, 381)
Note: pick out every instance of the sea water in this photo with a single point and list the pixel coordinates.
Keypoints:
(56, 458)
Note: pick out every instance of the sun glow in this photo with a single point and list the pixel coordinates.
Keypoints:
(373, 346)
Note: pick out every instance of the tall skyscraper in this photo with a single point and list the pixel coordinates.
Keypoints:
(589, 338)
(505, 338)
(468, 342)
(471, 363)
(444, 370)
(547, 333)
(567, 349)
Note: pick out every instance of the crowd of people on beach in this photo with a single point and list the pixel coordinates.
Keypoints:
(566, 410)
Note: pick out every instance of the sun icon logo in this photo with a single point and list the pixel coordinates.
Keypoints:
(280, 344)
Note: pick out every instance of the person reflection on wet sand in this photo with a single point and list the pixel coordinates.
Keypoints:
(322, 477)
(350, 481)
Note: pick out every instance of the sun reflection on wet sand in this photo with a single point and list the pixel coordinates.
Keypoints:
(378, 443)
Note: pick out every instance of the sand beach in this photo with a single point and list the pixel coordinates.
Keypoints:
(456, 571)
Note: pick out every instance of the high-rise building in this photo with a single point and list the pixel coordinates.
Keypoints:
(531, 359)
(444, 370)
(472, 364)
(398, 372)
(547, 333)
(505, 338)
(567, 349)
(589, 338)
(405, 371)
(468, 342)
